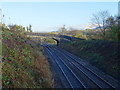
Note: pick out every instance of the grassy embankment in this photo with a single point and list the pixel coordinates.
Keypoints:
(102, 54)
(23, 63)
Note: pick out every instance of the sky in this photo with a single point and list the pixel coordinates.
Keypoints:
(50, 16)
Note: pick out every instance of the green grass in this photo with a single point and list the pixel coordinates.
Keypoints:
(100, 53)
(49, 40)
(22, 64)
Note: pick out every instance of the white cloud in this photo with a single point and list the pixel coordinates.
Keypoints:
(56, 28)
(79, 26)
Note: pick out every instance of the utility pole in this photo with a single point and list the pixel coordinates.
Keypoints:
(0, 22)
(119, 20)
(63, 30)
(3, 18)
(119, 14)
(0, 49)
(0, 17)
(9, 21)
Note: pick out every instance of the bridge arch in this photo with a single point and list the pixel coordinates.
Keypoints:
(51, 40)
(56, 41)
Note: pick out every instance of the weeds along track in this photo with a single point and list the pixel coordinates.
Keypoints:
(113, 84)
(77, 75)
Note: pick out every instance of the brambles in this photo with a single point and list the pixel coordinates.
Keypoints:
(22, 63)
(100, 53)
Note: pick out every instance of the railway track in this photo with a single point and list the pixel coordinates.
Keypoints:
(72, 79)
(116, 83)
(77, 75)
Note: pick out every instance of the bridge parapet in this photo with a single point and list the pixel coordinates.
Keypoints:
(60, 38)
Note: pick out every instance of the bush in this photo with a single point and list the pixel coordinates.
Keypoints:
(23, 64)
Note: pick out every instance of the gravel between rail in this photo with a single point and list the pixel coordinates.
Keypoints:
(72, 72)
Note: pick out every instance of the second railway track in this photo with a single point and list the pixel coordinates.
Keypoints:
(76, 74)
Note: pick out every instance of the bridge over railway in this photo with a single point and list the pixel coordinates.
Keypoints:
(52, 36)
(58, 38)
(70, 71)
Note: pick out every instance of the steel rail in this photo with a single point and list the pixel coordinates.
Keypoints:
(71, 71)
(61, 69)
(82, 72)
(70, 55)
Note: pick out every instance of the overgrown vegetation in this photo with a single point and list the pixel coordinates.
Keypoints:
(98, 45)
(104, 27)
(50, 40)
(23, 63)
(100, 53)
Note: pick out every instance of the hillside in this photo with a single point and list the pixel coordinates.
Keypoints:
(23, 62)
(100, 53)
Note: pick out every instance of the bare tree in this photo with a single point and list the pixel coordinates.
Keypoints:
(99, 20)
(110, 21)
(63, 30)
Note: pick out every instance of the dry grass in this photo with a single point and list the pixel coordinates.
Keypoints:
(23, 65)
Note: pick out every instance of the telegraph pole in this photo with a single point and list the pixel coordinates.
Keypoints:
(3, 18)
(0, 49)
(119, 20)
(0, 21)
(10, 23)
(0, 17)
(119, 13)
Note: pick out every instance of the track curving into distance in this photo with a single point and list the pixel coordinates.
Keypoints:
(76, 74)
